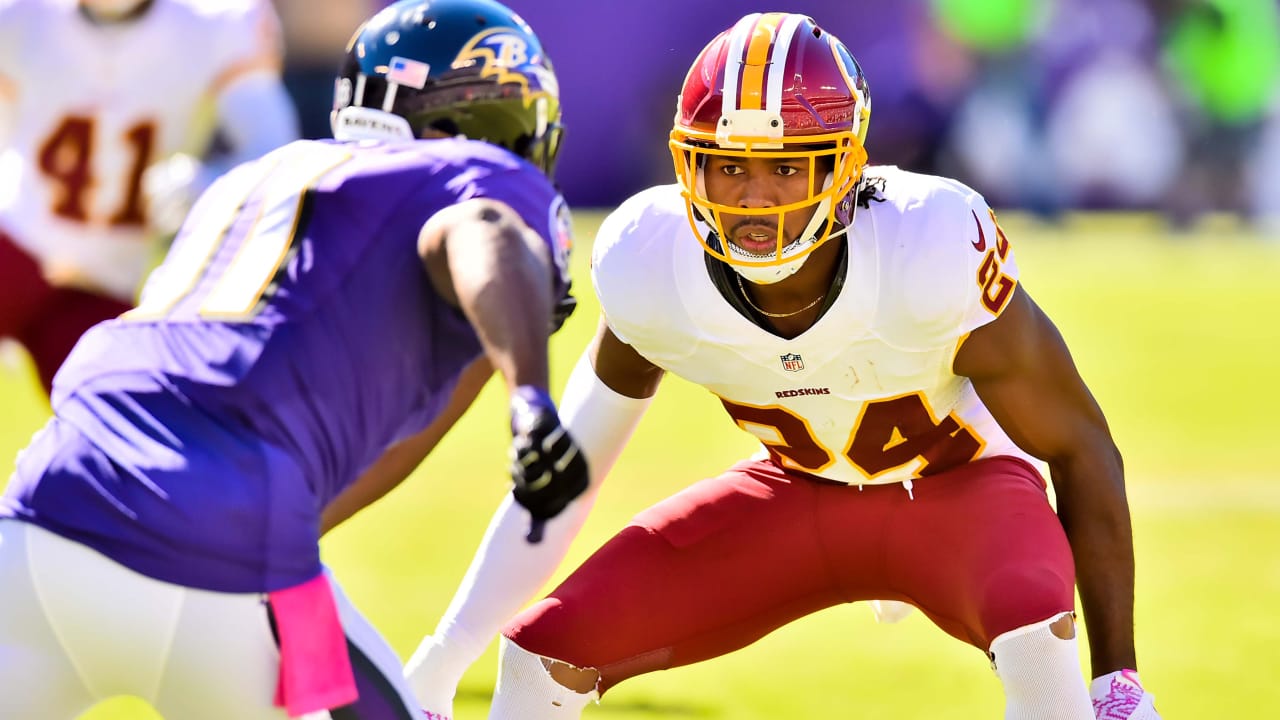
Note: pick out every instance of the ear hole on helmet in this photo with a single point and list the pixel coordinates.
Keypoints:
(445, 125)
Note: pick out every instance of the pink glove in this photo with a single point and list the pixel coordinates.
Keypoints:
(1119, 696)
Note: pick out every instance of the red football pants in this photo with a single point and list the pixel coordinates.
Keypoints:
(47, 320)
(730, 559)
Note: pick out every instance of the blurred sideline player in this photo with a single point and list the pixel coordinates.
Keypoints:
(324, 315)
(107, 101)
(867, 325)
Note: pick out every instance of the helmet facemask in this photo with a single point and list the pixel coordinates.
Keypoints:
(839, 157)
(509, 115)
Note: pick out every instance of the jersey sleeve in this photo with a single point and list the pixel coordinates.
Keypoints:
(949, 267)
(616, 258)
(991, 264)
(560, 229)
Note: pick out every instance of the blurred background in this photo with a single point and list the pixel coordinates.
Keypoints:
(1047, 106)
(1133, 150)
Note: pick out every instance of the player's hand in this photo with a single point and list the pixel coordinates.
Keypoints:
(1120, 696)
(547, 468)
(564, 307)
(170, 189)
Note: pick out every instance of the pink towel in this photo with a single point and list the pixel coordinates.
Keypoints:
(315, 669)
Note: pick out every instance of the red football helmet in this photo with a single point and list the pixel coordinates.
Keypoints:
(773, 83)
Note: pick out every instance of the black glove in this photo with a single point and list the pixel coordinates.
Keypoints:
(547, 468)
(564, 307)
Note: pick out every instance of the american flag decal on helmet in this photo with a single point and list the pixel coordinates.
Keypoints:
(792, 362)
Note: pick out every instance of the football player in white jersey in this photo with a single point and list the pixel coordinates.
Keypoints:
(108, 102)
(867, 325)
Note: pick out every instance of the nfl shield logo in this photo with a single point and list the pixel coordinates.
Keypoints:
(792, 362)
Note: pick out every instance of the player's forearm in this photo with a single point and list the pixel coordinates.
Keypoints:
(379, 479)
(507, 572)
(1095, 515)
(398, 461)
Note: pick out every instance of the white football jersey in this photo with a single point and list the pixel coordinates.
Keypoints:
(92, 106)
(866, 395)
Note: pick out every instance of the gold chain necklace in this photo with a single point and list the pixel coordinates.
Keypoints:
(766, 313)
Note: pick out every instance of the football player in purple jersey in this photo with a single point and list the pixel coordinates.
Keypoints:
(324, 315)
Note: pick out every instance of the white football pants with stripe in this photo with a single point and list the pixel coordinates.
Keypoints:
(77, 628)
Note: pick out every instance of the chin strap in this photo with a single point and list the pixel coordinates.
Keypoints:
(362, 123)
(109, 12)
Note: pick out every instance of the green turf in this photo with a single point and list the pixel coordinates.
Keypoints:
(1178, 338)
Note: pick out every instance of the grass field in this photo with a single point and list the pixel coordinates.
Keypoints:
(1179, 339)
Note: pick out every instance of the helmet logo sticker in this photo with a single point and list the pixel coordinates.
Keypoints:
(561, 222)
(503, 54)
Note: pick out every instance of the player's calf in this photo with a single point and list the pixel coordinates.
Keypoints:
(1039, 667)
(533, 687)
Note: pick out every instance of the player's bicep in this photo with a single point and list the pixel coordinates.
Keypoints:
(256, 115)
(1023, 372)
(620, 367)
(9, 59)
(250, 40)
(7, 102)
(461, 245)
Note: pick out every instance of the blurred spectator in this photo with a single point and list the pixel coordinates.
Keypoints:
(1263, 177)
(996, 138)
(1111, 132)
(1225, 57)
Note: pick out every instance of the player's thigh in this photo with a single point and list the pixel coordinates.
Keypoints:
(982, 552)
(22, 288)
(129, 634)
(223, 660)
(705, 572)
(227, 662)
(37, 679)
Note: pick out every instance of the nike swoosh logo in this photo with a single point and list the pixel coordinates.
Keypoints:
(981, 244)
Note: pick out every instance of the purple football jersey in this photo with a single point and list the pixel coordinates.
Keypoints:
(289, 337)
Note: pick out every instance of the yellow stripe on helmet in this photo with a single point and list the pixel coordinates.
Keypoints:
(755, 61)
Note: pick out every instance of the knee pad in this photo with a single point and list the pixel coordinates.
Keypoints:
(526, 690)
(1041, 674)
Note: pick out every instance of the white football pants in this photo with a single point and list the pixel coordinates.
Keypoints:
(77, 628)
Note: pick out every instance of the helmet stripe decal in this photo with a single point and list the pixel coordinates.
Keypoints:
(778, 67)
(756, 60)
(860, 108)
(737, 43)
